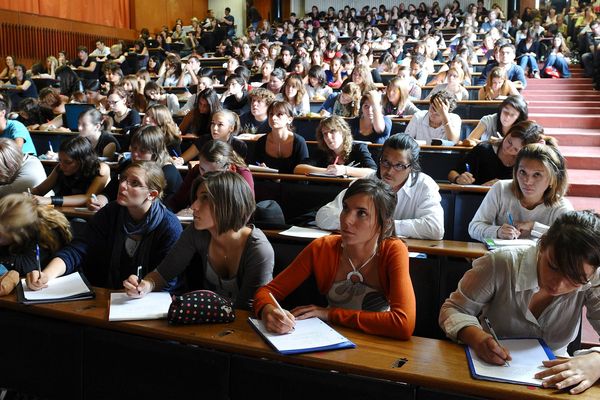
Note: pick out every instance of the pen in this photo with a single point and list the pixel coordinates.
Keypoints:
(510, 219)
(94, 197)
(277, 304)
(353, 164)
(468, 167)
(139, 276)
(175, 152)
(29, 191)
(50, 146)
(37, 259)
(337, 158)
(489, 326)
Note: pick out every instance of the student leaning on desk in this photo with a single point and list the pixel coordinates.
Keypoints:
(235, 258)
(418, 212)
(536, 291)
(135, 230)
(363, 272)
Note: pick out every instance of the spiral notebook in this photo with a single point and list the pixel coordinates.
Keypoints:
(309, 335)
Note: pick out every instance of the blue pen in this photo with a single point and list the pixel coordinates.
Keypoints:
(174, 152)
(468, 167)
(50, 146)
(37, 258)
(510, 219)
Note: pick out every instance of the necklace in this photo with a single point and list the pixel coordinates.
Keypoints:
(355, 276)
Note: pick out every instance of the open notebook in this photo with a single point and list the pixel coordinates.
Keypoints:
(153, 305)
(65, 288)
(527, 356)
(309, 335)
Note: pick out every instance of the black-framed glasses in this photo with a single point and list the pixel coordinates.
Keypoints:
(397, 167)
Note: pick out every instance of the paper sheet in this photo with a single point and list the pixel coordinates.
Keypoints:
(154, 305)
(310, 233)
(59, 288)
(527, 356)
(308, 334)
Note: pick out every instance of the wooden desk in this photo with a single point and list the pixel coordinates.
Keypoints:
(224, 361)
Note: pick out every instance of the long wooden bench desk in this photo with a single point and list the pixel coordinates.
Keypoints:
(70, 351)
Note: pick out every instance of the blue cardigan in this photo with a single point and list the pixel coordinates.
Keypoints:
(91, 252)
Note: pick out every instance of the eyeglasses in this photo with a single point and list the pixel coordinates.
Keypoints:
(134, 184)
(397, 167)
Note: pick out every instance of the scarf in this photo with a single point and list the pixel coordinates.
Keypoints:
(126, 227)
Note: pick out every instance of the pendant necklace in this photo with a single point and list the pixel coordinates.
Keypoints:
(355, 276)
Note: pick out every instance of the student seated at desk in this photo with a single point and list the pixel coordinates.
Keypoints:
(363, 272)
(18, 171)
(294, 93)
(147, 144)
(525, 206)
(396, 102)
(26, 224)
(159, 115)
(337, 154)
(512, 110)
(281, 148)
(492, 160)
(452, 85)
(438, 122)
(214, 156)
(345, 104)
(92, 126)
(536, 291)
(155, 95)
(256, 120)
(78, 175)
(418, 213)
(123, 116)
(236, 258)
(136, 229)
(497, 85)
(371, 125)
(21, 87)
(14, 130)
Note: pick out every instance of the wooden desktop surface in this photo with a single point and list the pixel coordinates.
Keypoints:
(435, 364)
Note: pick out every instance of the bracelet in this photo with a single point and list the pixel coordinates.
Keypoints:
(455, 180)
(56, 200)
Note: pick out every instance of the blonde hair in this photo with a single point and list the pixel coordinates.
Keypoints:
(164, 120)
(24, 221)
(496, 72)
(351, 109)
(404, 89)
(232, 118)
(294, 81)
(11, 160)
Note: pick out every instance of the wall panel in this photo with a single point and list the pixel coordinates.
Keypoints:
(153, 14)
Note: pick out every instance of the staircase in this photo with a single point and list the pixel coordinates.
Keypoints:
(569, 110)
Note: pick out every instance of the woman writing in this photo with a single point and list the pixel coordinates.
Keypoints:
(338, 155)
(536, 291)
(489, 161)
(525, 206)
(92, 126)
(365, 261)
(135, 230)
(235, 258)
(27, 227)
(512, 111)
(281, 148)
(497, 86)
(78, 175)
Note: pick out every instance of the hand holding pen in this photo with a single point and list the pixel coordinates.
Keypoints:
(499, 351)
(276, 319)
(135, 286)
(36, 279)
(509, 231)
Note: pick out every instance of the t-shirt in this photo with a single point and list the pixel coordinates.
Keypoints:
(419, 128)
(484, 164)
(14, 130)
(249, 124)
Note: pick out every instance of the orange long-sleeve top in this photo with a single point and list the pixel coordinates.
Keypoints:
(321, 258)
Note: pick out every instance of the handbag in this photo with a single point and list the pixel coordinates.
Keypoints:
(200, 307)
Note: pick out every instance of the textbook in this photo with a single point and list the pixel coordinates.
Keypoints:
(309, 335)
(65, 288)
(495, 243)
(527, 356)
(153, 305)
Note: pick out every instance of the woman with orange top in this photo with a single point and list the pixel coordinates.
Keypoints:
(363, 272)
